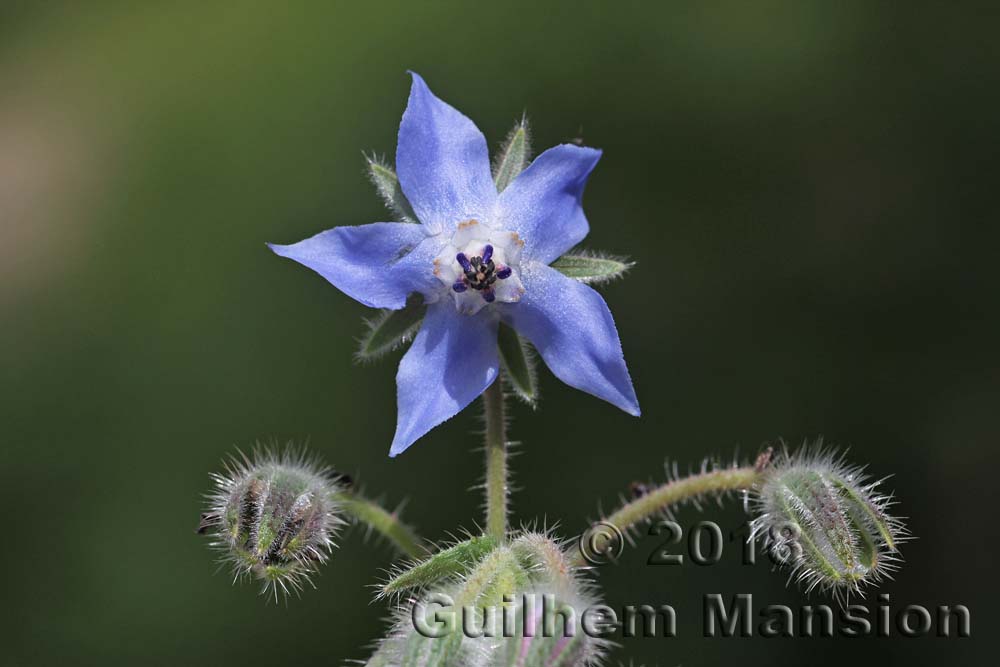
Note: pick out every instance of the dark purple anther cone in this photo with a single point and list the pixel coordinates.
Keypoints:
(487, 253)
(504, 273)
(489, 295)
(464, 261)
(460, 286)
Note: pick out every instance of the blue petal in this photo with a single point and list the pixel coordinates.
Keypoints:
(378, 264)
(452, 361)
(571, 327)
(442, 162)
(543, 204)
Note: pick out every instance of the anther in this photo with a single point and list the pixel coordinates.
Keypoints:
(481, 273)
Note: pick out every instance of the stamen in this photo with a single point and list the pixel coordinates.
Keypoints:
(477, 261)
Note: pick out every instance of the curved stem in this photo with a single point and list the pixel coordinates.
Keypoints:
(662, 497)
(496, 460)
(385, 523)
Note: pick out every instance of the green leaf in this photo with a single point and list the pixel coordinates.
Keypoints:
(454, 560)
(514, 155)
(592, 268)
(387, 184)
(518, 362)
(390, 329)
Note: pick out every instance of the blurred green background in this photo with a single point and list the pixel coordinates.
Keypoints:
(809, 190)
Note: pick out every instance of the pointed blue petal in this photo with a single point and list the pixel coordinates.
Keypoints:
(452, 361)
(377, 264)
(571, 327)
(543, 204)
(442, 162)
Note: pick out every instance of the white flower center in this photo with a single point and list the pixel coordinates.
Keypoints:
(481, 265)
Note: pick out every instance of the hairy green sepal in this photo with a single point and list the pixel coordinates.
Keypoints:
(518, 362)
(387, 183)
(390, 329)
(592, 268)
(455, 560)
(514, 155)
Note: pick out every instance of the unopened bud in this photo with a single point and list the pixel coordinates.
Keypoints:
(522, 604)
(273, 518)
(827, 521)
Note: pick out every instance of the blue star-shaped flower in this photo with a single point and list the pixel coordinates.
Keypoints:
(478, 258)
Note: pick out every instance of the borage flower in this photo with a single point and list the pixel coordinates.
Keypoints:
(478, 257)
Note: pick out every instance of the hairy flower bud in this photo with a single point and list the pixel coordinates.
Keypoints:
(520, 606)
(273, 517)
(827, 521)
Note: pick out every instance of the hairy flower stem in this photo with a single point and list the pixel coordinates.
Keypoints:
(385, 523)
(496, 460)
(663, 497)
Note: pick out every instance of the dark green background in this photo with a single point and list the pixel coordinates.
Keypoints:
(808, 189)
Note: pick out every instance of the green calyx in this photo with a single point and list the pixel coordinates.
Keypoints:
(274, 518)
(827, 522)
(518, 360)
(491, 613)
(456, 560)
(591, 267)
(386, 182)
(391, 329)
(514, 155)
